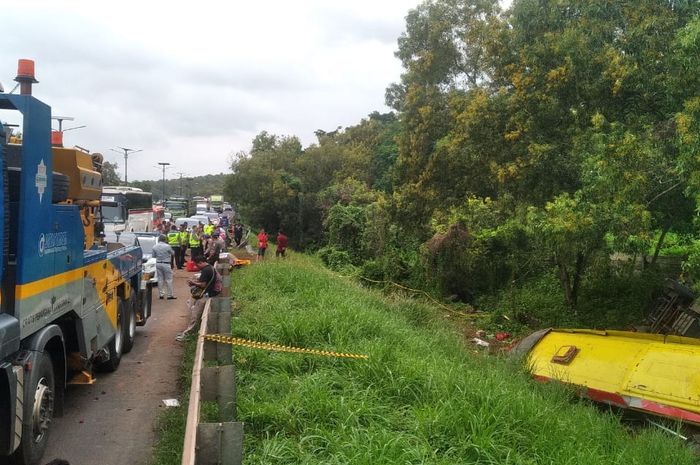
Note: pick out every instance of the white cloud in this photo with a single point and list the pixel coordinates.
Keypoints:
(190, 83)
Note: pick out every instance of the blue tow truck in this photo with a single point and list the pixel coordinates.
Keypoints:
(69, 303)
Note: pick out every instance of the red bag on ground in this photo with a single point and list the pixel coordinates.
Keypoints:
(191, 266)
(502, 336)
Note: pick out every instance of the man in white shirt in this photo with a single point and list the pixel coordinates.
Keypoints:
(163, 254)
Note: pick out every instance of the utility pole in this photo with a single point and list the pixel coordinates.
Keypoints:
(181, 174)
(126, 153)
(164, 165)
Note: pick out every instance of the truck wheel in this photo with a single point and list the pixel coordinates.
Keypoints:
(38, 411)
(130, 326)
(116, 345)
(146, 300)
(61, 186)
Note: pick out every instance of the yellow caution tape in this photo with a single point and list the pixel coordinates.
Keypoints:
(237, 341)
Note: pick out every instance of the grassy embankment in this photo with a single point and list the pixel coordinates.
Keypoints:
(424, 396)
(171, 421)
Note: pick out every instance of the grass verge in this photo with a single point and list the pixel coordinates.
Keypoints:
(423, 397)
(171, 421)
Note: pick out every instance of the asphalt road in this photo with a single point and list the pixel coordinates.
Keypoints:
(113, 421)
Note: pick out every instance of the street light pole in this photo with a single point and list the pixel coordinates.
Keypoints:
(126, 161)
(181, 174)
(163, 164)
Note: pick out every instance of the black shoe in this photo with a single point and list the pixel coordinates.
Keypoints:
(160, 297)
(172, 297)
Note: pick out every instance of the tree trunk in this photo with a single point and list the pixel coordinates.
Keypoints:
(660, 242)
(565, 281)
(580, 265)
(570, 284)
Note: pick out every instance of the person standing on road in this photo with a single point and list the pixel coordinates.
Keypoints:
(206, 240)
(174, 242)
(163, 254)
(206, 282)
(184, 238)
(238, 233)
(262, 244)
(281, 244)
(216, 246)
(195, 242)
(209, 228)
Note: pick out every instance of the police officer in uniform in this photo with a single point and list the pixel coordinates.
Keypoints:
(174, 242)
(209, 228)
(184, 238)
(195, 242)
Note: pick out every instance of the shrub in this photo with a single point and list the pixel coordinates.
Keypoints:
(334, 258)
(345, 225)
(536, 303)
(476, 248)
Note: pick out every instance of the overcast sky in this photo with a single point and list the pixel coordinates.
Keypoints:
(192, 82)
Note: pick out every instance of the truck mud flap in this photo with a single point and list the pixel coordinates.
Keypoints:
(9, 424)
(9, 335)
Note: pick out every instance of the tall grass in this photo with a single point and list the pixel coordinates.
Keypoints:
(170, 425)
(423, 397)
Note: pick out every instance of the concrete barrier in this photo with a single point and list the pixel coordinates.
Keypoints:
(213, 443)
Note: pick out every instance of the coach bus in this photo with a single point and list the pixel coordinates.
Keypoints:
(126, 209)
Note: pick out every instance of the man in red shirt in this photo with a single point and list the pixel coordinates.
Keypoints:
(281, 244)
(262, 244)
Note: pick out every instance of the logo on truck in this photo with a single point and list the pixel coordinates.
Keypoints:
(41, 180)
(52, 243)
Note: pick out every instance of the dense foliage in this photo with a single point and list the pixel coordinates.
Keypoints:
(527, 148)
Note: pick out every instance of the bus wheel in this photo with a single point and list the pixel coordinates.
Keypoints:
(130, 326)
(116, 344)
(38, 411)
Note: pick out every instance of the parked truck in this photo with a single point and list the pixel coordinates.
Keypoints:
(201, 204)
(217, 203)
(69, 303)
(177, 207)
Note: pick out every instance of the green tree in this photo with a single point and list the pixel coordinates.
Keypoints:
(110, 176)
(265, 187)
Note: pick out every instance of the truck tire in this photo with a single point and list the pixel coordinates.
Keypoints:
(39, 391)
(146, 301)
(116, 344)
(61, 184)
(130, 326)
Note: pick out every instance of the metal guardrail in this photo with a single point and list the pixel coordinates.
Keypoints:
(213, 380)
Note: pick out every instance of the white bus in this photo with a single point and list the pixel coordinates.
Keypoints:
(126, 209)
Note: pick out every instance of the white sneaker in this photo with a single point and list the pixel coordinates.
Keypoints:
(180, 337)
